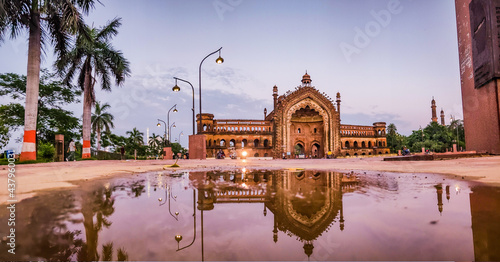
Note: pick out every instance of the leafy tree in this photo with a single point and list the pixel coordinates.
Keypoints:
(46, 151)
(392, 138)
(101, 120)
(45, 21)
(52, 118)
(94, 57)
(434, 137)
(176, 148)
(4, 134)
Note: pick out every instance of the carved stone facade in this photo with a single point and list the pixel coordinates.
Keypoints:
(304, 124)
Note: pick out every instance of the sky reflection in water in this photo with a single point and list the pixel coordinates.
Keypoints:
(261, 215)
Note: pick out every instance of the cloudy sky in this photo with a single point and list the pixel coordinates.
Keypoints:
(387, 58)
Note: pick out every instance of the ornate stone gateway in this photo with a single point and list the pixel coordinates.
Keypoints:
(307, 124)
(304, 124)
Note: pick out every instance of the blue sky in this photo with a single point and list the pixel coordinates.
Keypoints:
(403, 61)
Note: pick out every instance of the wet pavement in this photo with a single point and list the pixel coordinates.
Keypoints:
(260, 215)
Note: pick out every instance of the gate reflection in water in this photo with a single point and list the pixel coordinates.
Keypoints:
(261, 215)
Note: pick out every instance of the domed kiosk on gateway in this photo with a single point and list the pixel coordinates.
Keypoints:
(304, 123)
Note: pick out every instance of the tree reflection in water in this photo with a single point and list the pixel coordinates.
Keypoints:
(42, 228)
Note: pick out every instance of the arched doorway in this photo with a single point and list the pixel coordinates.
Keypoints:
(307, 129)
(316, 150)
(299, 149)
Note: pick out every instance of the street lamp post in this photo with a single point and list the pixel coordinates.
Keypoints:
(168, 196)
(180, 134)
(178, 237)
(165, 124)
(176, 88)
(168, 120)
(219, 60)
(170, 129)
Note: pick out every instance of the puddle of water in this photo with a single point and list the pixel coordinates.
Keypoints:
(260, 215)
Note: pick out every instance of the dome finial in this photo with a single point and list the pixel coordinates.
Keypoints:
(306, 79)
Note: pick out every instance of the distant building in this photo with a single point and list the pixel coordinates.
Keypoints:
(304, 124)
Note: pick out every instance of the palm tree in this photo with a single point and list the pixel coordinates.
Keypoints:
(136, 138)
(154, 140)
(155, 143)
(101, 120)
(94, 57)
(45, 21)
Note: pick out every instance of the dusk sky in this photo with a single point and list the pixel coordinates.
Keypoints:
(387, 58)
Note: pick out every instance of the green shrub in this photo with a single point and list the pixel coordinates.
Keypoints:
(46, 151)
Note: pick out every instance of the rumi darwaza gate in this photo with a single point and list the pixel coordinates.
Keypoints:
(304, 124)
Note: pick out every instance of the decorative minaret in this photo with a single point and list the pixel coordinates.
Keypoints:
(306, 80)
(439, 192)
(434, 115)
(265, 113)
(442, 117)
(338, 102)
(275, 96)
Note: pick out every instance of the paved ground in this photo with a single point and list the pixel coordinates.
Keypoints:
(34, 177)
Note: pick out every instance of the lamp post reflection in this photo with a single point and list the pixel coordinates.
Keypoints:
(168, 196)
(178, 237)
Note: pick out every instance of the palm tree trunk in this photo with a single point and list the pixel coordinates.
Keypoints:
(28, 151)
(91, 233)
(87, 112)
(98, 138)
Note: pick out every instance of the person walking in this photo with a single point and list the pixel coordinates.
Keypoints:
(71, 150)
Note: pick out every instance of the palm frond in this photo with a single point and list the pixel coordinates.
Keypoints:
(109, 30)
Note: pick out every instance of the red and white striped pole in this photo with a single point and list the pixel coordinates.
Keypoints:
(86, 149)
(28, 151)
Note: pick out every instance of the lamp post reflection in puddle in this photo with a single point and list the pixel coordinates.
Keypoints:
(178, 237)
(168, 196)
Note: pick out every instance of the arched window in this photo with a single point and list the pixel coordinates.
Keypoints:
(363, 144)
(244, 143)
(298, 130)
(266, 143)
(347, 144)
(204, 127)
(209, 142)
(355, 144)
(383, 143)
(370, 144)
(256, 155)
(232, 142)
(256, 143)
(223, 143)
(379, 144)
(315, 130)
